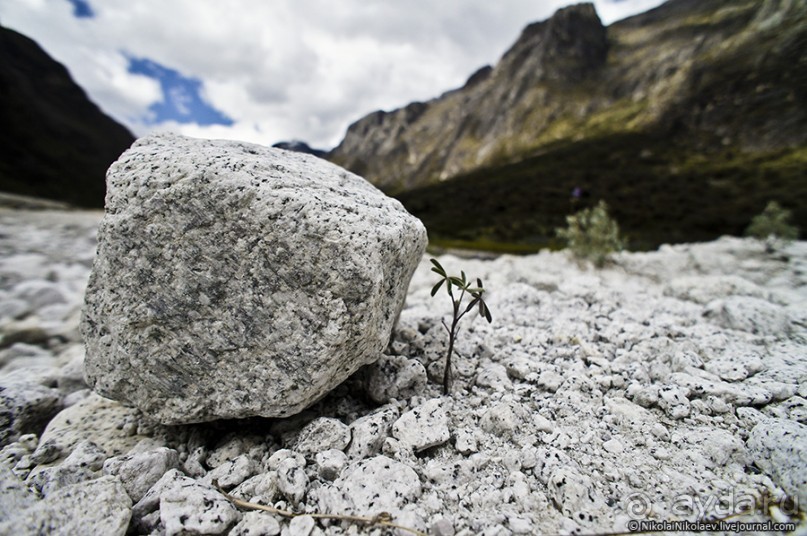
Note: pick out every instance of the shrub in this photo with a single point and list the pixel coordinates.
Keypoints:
(592, 234)
(772, 224)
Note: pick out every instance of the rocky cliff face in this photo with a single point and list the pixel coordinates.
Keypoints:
(693, 78)
(54, 142)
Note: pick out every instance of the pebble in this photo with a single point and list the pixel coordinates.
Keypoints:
(141, 470)
(322, 434)
(424, 427)
(779, 447)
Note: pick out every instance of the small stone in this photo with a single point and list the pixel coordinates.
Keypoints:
(494, 376)
(779, 447)
(330, 463)
(322, 434)
(14, 495)
(83, 464)
(26, 407)
(256, 524)
(190, 507)
(106, 422)
(423, 427)
(369, 432)
(502, 419)
(465, 442)
(519, 525)
(140, 471)
(39, 293)
(142, 511)
(549, 380)
(542, 424)
(443, 527)
(260, 487)
(613, 446)
(71, 375)
(379, 484)
(673, 400)
(99, 506)
(284, 454)
(753, 315)
(395, 377)
(292, 480)
(231, 473)
(300, 526)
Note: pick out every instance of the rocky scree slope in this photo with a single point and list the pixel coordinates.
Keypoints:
(699, 102)
(650, 389)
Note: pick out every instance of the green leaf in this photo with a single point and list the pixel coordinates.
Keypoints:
(471, 305)
(454, 280)
(439, 267)
(436, 287)
(463, 277)
(479, 283)
(484, 311)
(438, 272)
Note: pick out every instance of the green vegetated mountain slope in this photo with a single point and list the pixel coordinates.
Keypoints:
(686, 119)
(54, 142)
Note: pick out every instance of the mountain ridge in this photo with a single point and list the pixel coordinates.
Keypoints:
(697, 79)
(55, 142)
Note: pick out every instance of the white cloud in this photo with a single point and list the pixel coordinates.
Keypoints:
(287, 68)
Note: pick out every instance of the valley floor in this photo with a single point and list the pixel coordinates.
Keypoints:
(670, 385)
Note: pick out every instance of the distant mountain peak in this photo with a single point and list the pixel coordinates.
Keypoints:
(299, 146)
(54, 142)
(686, 101)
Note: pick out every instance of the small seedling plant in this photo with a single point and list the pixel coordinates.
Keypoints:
(463, 287)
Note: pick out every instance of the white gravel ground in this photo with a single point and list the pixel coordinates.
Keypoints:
(670, 385)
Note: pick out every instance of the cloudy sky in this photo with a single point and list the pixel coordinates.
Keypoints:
(271, 70)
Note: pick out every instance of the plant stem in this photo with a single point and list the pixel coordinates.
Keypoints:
(452, 334)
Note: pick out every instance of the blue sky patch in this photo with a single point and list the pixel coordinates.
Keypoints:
(82, 9)
(182, 101)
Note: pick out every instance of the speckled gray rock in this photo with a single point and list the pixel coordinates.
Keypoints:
(753, 315)
(26, 406)
(260, 488)
(779, 447)
(370, 431)
(395, 377)
(322, 434)
(107, 423)
(330, 463)
(423, 427)
(376, 485)
(232, 472)
(292, 480)
(300, 526)
(235, 280)
(98, 506)
(83, 464)
(141, 470)
(181, 505)
(14, 495)
(190, 507)
(256, 524)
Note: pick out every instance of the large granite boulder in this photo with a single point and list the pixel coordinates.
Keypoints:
(235, 280)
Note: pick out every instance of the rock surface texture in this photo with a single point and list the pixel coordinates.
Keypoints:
(595, 398)
(235, 280)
